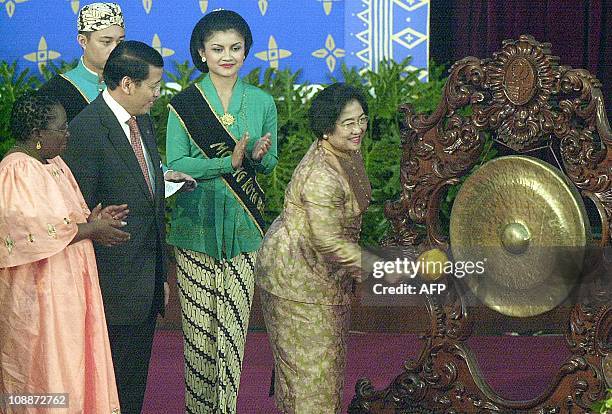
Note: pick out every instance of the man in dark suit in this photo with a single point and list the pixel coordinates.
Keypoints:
(113, 155)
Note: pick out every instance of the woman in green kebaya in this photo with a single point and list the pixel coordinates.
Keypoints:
(222, 132)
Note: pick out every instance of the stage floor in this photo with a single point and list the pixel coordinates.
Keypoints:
(517, 367)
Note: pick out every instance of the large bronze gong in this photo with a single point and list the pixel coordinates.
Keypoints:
(527, 224)
(522, 217)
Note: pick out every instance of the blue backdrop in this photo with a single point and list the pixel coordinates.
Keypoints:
(312, 35)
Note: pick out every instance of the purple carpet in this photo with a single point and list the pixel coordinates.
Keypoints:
(516, 367)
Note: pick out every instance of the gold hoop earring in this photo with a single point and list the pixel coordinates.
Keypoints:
(38, 145)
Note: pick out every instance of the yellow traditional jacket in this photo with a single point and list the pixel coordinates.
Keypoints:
(310, 253)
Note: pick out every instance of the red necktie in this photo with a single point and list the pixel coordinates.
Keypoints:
(136, 141)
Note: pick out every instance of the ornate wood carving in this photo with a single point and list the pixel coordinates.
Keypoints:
(446, 377)
(524, 99)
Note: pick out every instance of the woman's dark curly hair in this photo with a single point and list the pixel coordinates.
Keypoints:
(217, 21)
(328, 104)
(31, 111)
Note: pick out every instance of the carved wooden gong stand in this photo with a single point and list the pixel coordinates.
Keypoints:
(526, 100)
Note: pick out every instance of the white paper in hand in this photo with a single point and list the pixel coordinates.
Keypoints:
(172, 188)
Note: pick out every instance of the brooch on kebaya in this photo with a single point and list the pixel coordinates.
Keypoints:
(227, 119)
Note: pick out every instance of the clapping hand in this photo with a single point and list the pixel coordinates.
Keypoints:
(239, 151)
(106, 223)
(112, 212)
(261, 147)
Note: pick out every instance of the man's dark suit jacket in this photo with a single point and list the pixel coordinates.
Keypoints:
(103, 162)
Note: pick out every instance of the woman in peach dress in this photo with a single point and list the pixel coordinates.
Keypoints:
(53, 336)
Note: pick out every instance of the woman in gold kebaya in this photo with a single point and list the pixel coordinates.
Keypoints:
(310, 259)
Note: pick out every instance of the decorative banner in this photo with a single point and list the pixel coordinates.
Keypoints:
(313, 35)
(376, 30)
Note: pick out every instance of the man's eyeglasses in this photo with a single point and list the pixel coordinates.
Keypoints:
(155, 88)
(351, 125)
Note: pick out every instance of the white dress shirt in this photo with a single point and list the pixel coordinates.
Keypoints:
(123, 117)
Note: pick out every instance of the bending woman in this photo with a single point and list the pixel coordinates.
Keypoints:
(310, 258)
(218, 227)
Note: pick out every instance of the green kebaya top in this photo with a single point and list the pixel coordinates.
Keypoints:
(210, 219)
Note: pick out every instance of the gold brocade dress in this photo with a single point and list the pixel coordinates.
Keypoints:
(306, 269)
